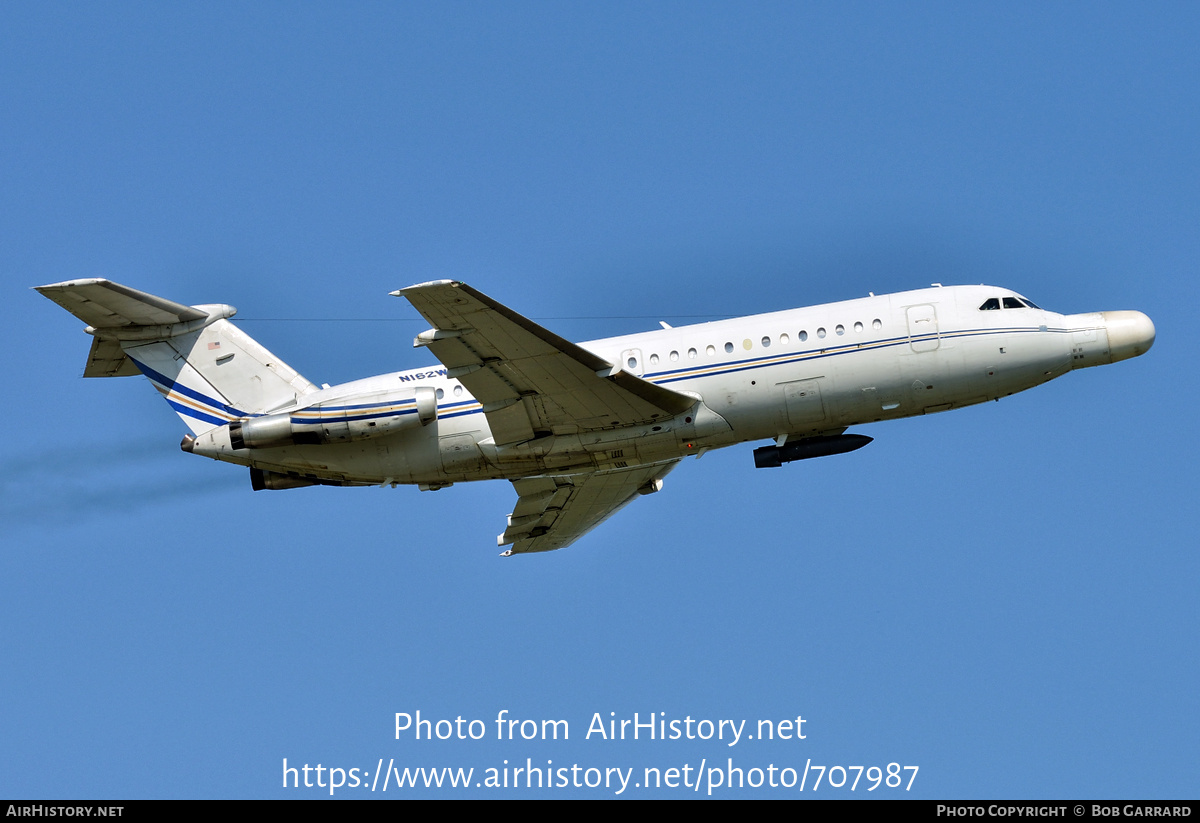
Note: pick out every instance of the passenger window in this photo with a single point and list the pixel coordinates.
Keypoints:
(654, 360)
(821, 332)
(783, 339)
(729, 348)
(632, 362)
(692, 354)
(458, 391)
(674, 356)
(991, 304)
(440, 394)
(710, 351)
(747, 344)
(766, 342)
(858, 328)
(803, 336)
(877, 324)
(840, 330)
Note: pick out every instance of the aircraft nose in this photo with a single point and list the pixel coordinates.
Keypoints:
(1130, 333)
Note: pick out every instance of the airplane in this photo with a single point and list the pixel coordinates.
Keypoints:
(581, 430)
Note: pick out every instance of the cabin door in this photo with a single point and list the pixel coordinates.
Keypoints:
(923, 328)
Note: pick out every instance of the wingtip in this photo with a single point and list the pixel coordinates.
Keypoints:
(85, 281)
(427, 285)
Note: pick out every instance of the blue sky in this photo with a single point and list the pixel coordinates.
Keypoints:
(1002, 596)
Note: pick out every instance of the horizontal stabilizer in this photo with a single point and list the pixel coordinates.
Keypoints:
(108, 305)
(108, 359)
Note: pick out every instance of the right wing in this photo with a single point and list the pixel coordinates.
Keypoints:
(528, 379)
(554, 512)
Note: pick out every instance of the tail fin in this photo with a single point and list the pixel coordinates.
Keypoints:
(209, 370)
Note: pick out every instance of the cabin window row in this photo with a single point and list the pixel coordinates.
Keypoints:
(766, 342)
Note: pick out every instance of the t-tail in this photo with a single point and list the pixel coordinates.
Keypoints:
(209, 370)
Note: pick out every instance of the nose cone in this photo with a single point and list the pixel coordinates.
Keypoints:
(1130, 333)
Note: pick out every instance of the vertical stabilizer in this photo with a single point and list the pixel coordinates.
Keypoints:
(209, 370)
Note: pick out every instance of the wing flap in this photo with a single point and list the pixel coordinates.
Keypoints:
(509, 421)
(553, 512)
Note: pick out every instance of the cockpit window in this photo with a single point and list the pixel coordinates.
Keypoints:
(1030, 303)
(991, 304)
(1012, 303)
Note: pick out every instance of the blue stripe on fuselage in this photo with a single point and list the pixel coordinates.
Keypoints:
(179, 388)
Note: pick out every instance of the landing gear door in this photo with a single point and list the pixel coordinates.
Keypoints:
(460, 455)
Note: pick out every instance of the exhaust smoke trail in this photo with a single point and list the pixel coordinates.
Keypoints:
(69, 485)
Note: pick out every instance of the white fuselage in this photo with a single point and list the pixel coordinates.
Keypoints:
(784, 375)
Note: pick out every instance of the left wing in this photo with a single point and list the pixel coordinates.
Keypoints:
(554, 512)
(529, 380)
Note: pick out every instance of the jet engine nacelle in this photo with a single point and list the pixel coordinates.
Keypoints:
(337, 421)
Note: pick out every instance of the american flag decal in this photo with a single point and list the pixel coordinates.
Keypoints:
(216, 345)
